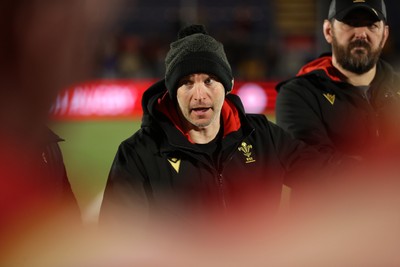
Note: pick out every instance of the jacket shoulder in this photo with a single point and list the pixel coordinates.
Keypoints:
(257, 117)
(390, 75)
(259, 121)
(144, 137)
(304, 81)
(133, 156)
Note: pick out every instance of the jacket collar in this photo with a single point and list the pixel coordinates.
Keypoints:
(229, 115)
(234, 119)
(322, 64)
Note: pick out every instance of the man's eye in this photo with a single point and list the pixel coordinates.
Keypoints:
(374, 26)
(210, 80)
(184, 82)
(361, 23)
(354, 24)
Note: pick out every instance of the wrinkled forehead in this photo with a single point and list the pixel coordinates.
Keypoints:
(202, 75)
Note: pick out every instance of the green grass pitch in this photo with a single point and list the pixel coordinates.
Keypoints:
(89, 149)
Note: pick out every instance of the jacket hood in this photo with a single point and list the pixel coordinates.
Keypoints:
(157, 105)
(322, 67)
(322, 64)
(150, 95)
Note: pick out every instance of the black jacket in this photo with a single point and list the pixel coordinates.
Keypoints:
(53, 166)
(320, 109)
(34, 185)
(159, 166)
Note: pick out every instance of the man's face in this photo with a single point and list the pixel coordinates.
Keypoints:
(357, 41)
(200, 99)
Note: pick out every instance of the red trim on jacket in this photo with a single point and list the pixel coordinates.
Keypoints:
(325, 64)
(229, 113)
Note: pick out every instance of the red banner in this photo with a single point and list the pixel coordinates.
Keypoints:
(121, 99)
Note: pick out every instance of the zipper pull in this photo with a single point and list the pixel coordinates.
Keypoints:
(44, 157)
(222, 191)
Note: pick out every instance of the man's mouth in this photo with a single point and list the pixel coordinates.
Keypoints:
(359, 49)
(200, 110)
(359, 46)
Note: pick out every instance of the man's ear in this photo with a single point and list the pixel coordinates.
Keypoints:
(385, 34)
(327, 29)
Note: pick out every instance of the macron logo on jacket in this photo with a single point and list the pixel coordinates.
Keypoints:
(175, 163)
(330, 98)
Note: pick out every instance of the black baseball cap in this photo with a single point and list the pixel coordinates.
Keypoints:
(340, 8)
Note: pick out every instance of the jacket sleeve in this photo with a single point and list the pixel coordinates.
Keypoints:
(56, 169)
(125, 195)
(297, 111)
(302, 163)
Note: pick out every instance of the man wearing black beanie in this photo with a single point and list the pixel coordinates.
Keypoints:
(197, 149)
(193, 52)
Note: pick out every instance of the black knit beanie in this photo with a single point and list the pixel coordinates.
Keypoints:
(196, 52)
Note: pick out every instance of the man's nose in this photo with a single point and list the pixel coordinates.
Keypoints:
(199, 91)
(360, 33)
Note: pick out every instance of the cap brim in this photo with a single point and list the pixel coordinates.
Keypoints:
(342, 14)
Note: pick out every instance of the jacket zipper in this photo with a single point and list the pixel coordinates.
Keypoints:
(221, 191)
(377, 130)
(219, 178)
(220, 182)
(387, 95)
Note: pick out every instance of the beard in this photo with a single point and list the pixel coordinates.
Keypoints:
(355, 59)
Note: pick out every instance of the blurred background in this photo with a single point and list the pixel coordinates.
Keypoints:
(266, 41)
